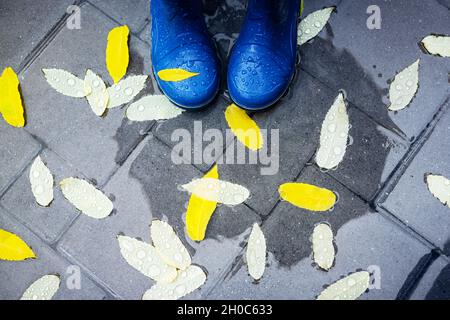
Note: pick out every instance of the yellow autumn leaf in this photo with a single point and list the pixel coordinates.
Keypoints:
(200, 211)
(244, 128)
(11, 106)
(12, 248)
(176, 75)
(307, 196)
(117, 53)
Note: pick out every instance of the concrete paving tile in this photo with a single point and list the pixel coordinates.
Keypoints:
(16, 277)
(348, 55)
(17, 148)
(67, 125)
(434, 284)
(146, 188)
(371, 157)
(48, 223)
(134, 13)
(411, 201)
(197, 125)
(24, 25)
(364, 239)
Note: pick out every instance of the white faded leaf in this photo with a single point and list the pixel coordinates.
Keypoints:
(323, 248)
(41, 181)
(99, 97)
(151, 108)
(86, 198)
(43, 289)
(311, 26)
(186, 282)
(218, 191)
(404, 87)
(125, 90)
(349, 288)
(66, 83)
(169, 246)
(439, 186)
(146, 259)
(334, 135)
(438, 45)
(256, 253)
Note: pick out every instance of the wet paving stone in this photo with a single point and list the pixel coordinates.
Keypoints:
(17, 149)
(16, 277)
(410, 200)
(435, 283)
(146, 188)
(50, 222)
(348, 55)
(364, 240)
(24, 25)
(134, 13)
(67, 125)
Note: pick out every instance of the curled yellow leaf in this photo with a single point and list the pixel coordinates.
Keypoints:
(307, 196)
(11, 106)
(200, 211)
(244, 128)
(176, 75)
(12, 248)
(117, 53)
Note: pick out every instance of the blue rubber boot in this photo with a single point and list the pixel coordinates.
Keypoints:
(180, 40)
(262, 62)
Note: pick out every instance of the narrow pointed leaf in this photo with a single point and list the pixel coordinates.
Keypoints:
(99, 97)
(244, 128)
(404, 87)
(334, 135)
(176, 75)
(307, 196)
(42, 289)
(200, 211)
(312, 24)
(323, 248)
(12, 248)
(185, 283)
(439, 186)
(146, 259)
(153, 108)
(218, 191)
(11, 106)
(86, 198)
(169, 246)
(117, 53)
(438, 45)
(349, 288)
(125, 91)
(66, 83)
(256, 253)
(41, 181)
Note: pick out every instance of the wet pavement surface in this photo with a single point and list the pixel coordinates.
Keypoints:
(386, 221)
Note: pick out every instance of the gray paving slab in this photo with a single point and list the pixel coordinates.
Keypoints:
(67, 125)
(371, 157)
(411, 201)
(196, 125)
(364, 240)
(445, 3)
(146, 188)
(348, 55)
(17, 148)
(16, 277)
(435, 283)
(50, 222)
(25, 23)
(134, 13)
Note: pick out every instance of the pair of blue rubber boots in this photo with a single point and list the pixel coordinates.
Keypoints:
(261, 64)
